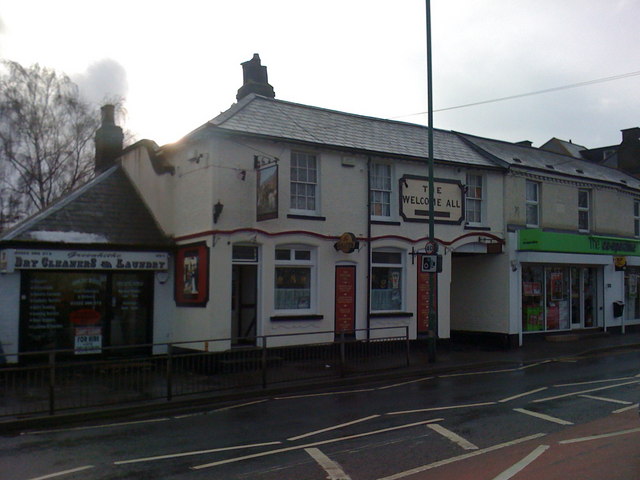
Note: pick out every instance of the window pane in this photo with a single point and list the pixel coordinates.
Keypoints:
(283, 254)
(303, 255)
(386, 288)
(583, 220)
(293, 288)
(532, 215)
(532, 191)
(583, 199)
(386, 257)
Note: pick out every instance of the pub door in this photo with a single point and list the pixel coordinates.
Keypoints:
(244, 308)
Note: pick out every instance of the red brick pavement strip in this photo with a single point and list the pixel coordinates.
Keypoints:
(610, 458)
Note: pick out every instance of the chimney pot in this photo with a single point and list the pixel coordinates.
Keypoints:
(254, 76)
(109, 139)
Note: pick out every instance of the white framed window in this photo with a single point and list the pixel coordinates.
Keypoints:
(473, 200)
(636, 218)
(584, 210)
(387, 280)
(304, 183)
(532, 203)
(381, 190)
(294, 283)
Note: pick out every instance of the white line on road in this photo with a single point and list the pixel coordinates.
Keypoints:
(598, 437)
(315, 444)
(404, 383)
(542, 416)
(592, 382)
(343, 392)
(534, 364)
(65, 472)
(197, 452)
(435, 409)
(626, 409)
(332, 428)
(520, 395)
(222, 409)
(448, 461)
(332, 468)
(522, 464)
(585, 391)
(605, 399)
(479, 373)
(454, 437)
(92, 427)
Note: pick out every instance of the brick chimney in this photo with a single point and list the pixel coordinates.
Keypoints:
(255, 80)
(629, 151)
(109, 138)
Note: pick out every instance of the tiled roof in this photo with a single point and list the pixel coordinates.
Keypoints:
(295, 122)
(527, 158)
(106, 210)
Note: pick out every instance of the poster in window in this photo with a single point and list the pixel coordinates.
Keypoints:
(192, 275)
(556, 286)
(267, 193)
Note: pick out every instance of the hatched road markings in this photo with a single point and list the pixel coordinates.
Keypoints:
(332, 468)
(543, 416)
(454, 437)
(604, 399)
(291, 439)
(522, 464)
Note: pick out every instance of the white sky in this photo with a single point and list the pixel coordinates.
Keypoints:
(177, 63)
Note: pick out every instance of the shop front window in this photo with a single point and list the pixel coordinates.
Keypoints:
(631, 297)
(557, 303)
(532, 298)
(386, 281)
(293, 279)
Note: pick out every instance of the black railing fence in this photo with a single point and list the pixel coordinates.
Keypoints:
(56, 381)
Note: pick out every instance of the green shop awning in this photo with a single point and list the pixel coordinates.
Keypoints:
(538, 241)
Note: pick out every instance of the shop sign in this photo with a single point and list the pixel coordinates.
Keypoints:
(424, 305)
(540, 241)
(345, 296)
(448, 200)
(88, 340)
(26, 259)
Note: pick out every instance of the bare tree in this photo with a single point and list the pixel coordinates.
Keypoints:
(46, 139)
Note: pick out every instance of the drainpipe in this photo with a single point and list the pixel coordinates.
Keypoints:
(368, 247)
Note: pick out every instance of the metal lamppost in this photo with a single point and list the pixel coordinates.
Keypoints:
(433, 318)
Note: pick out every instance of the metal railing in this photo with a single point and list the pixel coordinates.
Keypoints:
(55, 381)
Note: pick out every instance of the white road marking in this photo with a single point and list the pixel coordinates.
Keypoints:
(448, 461)
(535, 364)
(343, 392)
(520, 395)
(404, 383)
(597, 437)
(543, 416)
(604, 399)
(238, 406)
(332, 428)
(435, 409)
(522, 464)
(315, 444)
(479, 373)
(454, 437)
(197, 452)
(585, 391)
(592, 382)
(92, 427)
(332, 468)
(626, 409)
(65, 472)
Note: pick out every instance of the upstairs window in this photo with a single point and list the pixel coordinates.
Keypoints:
(473, 205)
(380, 190)
(532, 204)
(636, 218)
(584, 210)
(304, 182)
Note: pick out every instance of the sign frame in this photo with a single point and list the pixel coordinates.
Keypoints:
(414, 204)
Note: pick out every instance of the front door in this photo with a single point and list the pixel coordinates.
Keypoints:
(244, 297)
(583, 297)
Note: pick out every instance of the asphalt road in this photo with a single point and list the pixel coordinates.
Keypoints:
(542, 421)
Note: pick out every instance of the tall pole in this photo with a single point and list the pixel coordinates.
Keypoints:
(433, 318)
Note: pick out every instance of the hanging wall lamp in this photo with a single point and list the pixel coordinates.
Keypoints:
(217, 211)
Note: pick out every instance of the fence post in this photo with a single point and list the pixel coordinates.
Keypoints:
(342, 355)
(170, 373)
(264, 362)
(52, 383)
(408, 345)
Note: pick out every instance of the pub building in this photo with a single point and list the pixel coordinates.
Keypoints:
(91, 271)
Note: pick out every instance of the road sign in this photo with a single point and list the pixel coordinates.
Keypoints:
(431, 264)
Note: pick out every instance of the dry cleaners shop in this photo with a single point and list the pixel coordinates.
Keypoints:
(84, 300)
(571, 281)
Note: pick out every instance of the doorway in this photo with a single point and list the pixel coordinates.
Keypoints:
(583, 297)
(244, 295)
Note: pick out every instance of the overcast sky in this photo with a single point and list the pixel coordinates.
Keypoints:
(177, 63)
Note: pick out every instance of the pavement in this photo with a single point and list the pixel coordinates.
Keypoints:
(455, 356)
